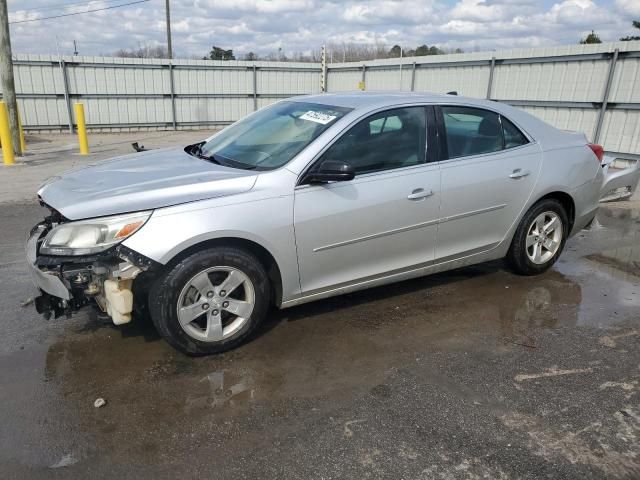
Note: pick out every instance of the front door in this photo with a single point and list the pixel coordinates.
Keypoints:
(381, 222)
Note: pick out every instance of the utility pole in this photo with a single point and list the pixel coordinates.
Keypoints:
(169, 50)
(323, 73)
(6, 77)
(401, 55)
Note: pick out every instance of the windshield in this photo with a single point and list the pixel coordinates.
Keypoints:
(271, 137)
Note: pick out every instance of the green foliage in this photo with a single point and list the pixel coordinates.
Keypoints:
(395, 51)
(636, 24)
(217, 53)
(421, 51)
(591, 38)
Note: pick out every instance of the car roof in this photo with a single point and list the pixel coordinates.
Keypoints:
(358, 99)
(361, 102)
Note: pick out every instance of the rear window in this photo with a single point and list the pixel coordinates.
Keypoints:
(475, 131)
(512, 136)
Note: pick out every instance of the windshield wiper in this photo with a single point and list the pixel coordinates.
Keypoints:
(230, 162)
(196, 151)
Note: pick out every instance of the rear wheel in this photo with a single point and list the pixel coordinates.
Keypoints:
(539, 239)
(211, 301)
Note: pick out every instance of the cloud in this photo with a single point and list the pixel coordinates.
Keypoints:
(483, 11)
(258, 6)
(384, 11)
(630, 7)
(263, 26)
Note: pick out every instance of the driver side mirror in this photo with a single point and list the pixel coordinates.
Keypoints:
(331, 171)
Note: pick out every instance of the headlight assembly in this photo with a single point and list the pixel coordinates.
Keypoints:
(85, 237)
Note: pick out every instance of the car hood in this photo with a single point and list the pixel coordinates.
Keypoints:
(141, 181)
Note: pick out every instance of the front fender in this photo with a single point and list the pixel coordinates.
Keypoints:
(267, 222)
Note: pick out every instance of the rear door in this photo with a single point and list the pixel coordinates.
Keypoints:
(384, 220)
(488, 172)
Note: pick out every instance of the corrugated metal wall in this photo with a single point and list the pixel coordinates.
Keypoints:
(121, 93)
(566, 86)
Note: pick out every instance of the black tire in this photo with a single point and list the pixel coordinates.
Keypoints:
(517, 257)
(165, 292)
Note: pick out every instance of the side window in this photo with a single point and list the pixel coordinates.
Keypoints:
(512, 136)
(386, 140)
(471, 131)
(375, 126)
(385, 124)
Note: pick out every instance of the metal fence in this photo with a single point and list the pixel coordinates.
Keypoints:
(590, 88)
(123, 93)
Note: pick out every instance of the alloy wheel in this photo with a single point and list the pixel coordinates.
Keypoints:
(544, 237)
(216, 303)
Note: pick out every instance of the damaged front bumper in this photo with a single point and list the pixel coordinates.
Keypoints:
(68, 283)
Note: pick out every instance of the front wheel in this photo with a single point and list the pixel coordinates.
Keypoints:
(539, 239)
(211, 301)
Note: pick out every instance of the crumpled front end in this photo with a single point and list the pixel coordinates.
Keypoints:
(67, 283)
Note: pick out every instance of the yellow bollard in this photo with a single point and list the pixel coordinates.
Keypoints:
(5, 136)
(82, 129)
(23, 145)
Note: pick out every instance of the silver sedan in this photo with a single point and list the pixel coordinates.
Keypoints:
(308, 198)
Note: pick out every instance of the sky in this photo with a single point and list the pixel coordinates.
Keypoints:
(264, 26)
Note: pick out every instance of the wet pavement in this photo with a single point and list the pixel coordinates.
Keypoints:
(476, 373)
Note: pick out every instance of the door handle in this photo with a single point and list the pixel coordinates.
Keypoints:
(519, 173)
(419, 193)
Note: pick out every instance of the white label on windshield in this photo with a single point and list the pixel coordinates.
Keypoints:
(317, 117)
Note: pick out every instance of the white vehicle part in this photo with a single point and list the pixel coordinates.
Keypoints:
(118, 300)
(116, 297)
(126, 271)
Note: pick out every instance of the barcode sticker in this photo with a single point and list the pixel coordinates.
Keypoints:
(317, 117)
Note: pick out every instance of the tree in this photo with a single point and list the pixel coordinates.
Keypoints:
(636, 24)
(422, 50)
(217, 53)
(395, 51)
(591, 38)
(251, 57)
(357, 52)
(143, 51)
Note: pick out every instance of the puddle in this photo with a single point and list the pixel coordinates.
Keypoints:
(220, 389)
(622, 259)
(334, 348)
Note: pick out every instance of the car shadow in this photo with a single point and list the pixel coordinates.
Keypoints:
(376, 306)
(381, 293)
(143, 327)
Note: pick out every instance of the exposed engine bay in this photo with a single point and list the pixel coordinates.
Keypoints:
(106, 278)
